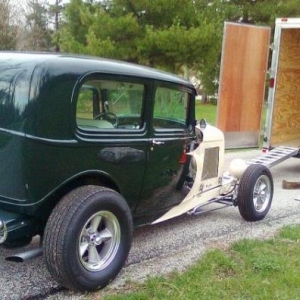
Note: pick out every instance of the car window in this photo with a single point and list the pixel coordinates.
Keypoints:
(170, 109)
(110, 104)
(14, 90)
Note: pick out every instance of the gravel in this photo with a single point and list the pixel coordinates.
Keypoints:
(165, 247)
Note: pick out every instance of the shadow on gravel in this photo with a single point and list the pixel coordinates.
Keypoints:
(26, 280)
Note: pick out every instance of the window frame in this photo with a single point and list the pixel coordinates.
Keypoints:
(113, 132)
(189, 111)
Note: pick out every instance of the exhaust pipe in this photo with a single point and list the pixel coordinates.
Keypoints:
(3, 232)
(24, 256)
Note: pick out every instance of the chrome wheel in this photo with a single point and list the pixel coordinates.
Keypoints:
(99, 241)
(255, 193)
(262, 193)
(87, 238)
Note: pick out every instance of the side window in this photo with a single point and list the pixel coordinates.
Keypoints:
(170, 109)
(110, 104)
(14, 90)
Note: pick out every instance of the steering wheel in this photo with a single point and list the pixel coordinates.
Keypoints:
(108, 116)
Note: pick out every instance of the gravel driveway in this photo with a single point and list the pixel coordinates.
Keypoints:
(172, 245)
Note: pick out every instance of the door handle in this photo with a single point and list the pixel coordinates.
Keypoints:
(156, 142)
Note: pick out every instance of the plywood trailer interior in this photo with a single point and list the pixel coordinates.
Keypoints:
(242, 83)
(286, 107)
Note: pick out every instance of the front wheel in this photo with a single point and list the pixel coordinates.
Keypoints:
(255, 192)
(87, 238)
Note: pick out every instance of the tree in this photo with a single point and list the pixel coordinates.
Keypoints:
(37, 26)
(55, 19)
(73, 32)
(8, 26)
(258, 11)
(177, 36)
(174, 36)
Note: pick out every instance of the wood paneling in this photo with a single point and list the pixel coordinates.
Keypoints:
(286, 116)
(242, 78)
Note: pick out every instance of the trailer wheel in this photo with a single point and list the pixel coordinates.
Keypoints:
(87, 238)
(255, 192)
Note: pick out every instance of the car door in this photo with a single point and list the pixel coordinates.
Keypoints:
(112, 132)
(171, 133)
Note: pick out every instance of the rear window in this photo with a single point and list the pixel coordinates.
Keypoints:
(14, 89)
(110, 105)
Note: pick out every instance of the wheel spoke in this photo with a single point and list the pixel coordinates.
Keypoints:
(255, 201)
(85, 233)
(83, 247)
(95, 223)
(262, 186)
(93, 256)
(260, 194)
(258, 203)
(105, 235)
(256, 197)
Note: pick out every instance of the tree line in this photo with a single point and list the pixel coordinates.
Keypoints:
(181, 36)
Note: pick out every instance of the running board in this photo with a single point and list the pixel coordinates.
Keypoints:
(274, 157)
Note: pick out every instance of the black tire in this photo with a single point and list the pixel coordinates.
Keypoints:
(255, 193)
(87, 238)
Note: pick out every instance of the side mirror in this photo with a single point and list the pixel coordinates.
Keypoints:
(203, 123)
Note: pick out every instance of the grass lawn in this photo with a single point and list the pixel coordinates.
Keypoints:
(209, 112)
(248, 269)
(206, 111)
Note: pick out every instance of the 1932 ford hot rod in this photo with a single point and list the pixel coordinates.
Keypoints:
(90, 148)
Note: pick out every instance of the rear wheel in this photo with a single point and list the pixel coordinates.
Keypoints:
(255, 193)
(87, 238)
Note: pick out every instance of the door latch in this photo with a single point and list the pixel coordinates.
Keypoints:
(156, 142)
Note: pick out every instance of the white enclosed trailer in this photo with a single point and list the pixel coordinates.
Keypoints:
(243, 77)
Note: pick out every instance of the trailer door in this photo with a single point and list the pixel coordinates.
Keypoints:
(242, 83)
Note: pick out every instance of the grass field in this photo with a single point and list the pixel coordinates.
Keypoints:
(209, 112)
(206, 111)
(247, 270)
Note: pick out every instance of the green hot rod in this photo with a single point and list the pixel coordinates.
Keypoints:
(91, 148)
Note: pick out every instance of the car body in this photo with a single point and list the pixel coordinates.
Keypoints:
(91, 148)
(51, 142)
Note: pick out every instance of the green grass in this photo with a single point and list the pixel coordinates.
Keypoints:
(209, 112)
(246, 270)
(206, 111)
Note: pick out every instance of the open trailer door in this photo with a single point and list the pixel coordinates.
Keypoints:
(242, 83)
